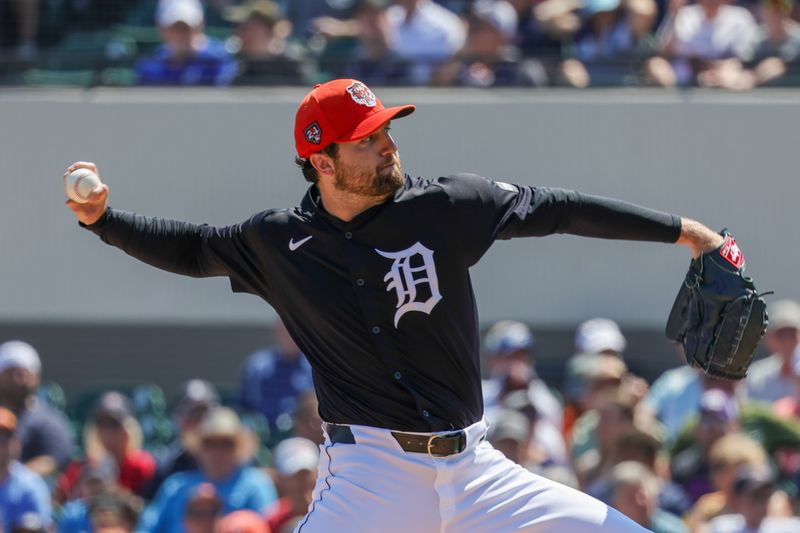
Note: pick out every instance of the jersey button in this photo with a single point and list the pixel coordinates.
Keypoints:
(348, 235)
(376, 329)
(425, 413)
(360, 282)
(398, 375)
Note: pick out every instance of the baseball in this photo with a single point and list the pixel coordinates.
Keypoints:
(80, 183)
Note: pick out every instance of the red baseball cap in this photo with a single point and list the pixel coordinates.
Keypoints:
(340, 111)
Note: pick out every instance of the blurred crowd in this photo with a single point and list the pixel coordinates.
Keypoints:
(686, 453)
(732, 44)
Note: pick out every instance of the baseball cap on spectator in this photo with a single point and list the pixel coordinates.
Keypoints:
(784, 314)
(509, 424)
(8, 421)
(115, 406)
(507, 336)
(599, 335)
(266, 10)
(18, 354)
(295, 454)
(499, 13)
(341, 110)
(170, 12)
(196, 393)
(243, 521)
(719, 404)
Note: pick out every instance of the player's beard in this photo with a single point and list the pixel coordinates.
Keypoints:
(377, 182)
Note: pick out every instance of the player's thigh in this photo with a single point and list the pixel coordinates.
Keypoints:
(500, 496)
(359, 488)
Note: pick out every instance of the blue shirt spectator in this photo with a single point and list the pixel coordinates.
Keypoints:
(272, 379)
(248, 488)
(23, 494)
(74, 518)
(222, 452)
(188, 56)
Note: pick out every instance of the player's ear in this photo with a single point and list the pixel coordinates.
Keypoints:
(323, 164)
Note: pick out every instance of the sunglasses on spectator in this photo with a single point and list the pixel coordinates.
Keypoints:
(201, 513)
(5, 437)
(107, 422)
(220, 444)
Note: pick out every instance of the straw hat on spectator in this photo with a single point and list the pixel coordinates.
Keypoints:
(224, 423)
(784, 314)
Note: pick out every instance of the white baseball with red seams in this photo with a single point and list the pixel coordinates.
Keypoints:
(79, 184)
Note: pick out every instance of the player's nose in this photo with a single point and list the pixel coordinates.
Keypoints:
(388, 145)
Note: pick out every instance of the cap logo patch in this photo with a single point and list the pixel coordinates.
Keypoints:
(313, 133)
(730, 251)
(361, 94)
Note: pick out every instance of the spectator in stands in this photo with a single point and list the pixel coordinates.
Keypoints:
(510, 357)
(546, 447)
(188, 56)
(196, 398)
(611, 38)
(358, 47)
(510, 433)
(728, 456)
(612, 416)
(644, 447)
(753, 488)
(772, 378)
(719, 416)
(261, 43)
(779, 40)
(46, 439)
(488, 57)
(296, 462)
(113, 434)
(636, 496)
(706, 44)
(675, 394)
(203, 510)
(114, 512)
(96, 479)
(223, 458)
(273, 378)
(595, 379)
(789, 407)
(244, 522)
(301, 13)
(22, 491)
(424, 34)
(306, 421)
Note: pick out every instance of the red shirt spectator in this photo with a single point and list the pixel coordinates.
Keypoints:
(112, 436)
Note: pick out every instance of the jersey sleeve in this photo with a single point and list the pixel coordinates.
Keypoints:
(486, 210)
(189, 249)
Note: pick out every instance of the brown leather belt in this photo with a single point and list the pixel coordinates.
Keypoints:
(442, 445)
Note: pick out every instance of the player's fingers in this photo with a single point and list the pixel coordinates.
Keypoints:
(82, 164)
(99, 193)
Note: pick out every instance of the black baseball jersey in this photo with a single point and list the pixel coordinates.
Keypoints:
(383, 306)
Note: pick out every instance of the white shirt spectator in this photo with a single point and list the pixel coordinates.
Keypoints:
(732, 33)
(765, 382)
(429, 35)
(734, 523)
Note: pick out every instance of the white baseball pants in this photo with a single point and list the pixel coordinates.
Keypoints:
(374, 486)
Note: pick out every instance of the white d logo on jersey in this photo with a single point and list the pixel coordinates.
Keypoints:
(401, 278)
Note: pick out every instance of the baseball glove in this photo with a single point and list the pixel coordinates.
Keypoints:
(718, 316)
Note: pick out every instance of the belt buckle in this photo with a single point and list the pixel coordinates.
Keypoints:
(462, 443)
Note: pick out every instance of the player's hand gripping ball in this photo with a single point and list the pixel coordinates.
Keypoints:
(80, 183)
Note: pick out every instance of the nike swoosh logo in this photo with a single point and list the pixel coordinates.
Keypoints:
(295, 245)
